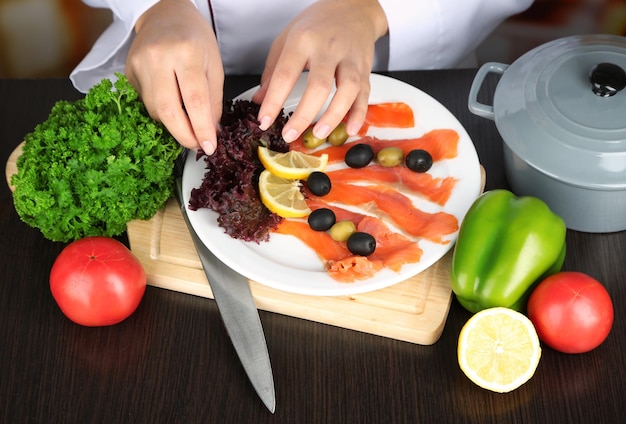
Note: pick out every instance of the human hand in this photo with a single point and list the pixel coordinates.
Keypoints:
(334, 40)
(175, 64)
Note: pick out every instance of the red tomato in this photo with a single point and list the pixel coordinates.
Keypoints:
(572, 312)
(97, 281)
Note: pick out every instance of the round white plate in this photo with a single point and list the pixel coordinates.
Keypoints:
(286, 263)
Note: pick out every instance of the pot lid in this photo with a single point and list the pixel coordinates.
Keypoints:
(561, 108)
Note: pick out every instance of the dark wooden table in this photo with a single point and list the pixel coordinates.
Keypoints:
(172, 361)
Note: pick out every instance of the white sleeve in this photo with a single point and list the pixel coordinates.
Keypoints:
(434, 34)
(108, 54)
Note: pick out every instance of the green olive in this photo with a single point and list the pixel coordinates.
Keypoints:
(390, 156)
(310, 141)
(339, 135)
(342, 230)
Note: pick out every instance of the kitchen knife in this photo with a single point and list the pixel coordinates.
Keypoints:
(236, 305)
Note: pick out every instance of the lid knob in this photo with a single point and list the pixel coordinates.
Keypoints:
(607, 79)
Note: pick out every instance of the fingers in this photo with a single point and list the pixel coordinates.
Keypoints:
(358, 108)
(351, 96)
(318, 88)
(164, 104)
(270, 64)
(201, 95)
(174, 63)
(283, 67)
(329, 45)
(185, 107)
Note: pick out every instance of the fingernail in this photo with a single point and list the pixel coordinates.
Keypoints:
(353, 129)
(208, 147)
(290, 135)
(322, 131)
(265, 122)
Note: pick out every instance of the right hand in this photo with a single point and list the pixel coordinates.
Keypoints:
(334, 40)
(175, 65)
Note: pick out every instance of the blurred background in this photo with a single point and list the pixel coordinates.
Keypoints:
(547, 20)
(47, 38)
(41, 38)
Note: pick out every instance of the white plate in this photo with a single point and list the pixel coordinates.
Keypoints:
(285, 263)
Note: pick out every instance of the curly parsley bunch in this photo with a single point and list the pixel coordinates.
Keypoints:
(94, 165)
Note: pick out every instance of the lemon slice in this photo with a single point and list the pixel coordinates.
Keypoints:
(293, 165)
(282, 195)
(499, 349)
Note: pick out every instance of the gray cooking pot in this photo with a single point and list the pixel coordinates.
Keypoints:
(561, 111)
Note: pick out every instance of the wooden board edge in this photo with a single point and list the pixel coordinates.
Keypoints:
(10, 168)
(424, 328)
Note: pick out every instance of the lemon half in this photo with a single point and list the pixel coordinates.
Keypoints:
(499, 349)
(293, 165)
(282, 196)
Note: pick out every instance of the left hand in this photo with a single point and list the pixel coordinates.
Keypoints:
(175, 64)
(334, 40)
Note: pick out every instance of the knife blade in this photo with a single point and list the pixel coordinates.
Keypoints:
(235, 303)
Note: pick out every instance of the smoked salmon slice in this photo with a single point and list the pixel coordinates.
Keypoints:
(398, 207)
(437, 190)
(440, 143)
(341, 214)
(393, 250)
(353, 268)
(323, 244)
(388, 115)
(339, 262)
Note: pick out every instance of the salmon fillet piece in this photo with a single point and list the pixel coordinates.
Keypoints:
(398, 207)
(440, 143)
(437, 190)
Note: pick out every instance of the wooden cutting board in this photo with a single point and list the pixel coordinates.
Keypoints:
(414, 310)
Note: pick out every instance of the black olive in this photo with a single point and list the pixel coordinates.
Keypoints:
(321, 219)
(359, 155)
(318, 183)
(360, 243)
(419, 160)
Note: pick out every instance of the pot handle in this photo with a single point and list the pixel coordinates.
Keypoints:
(477, 108)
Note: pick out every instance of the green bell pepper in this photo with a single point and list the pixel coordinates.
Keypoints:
(506, 244)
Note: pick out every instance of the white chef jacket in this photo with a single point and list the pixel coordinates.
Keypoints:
(423, 34)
